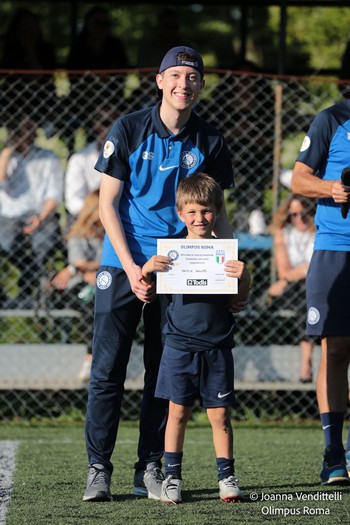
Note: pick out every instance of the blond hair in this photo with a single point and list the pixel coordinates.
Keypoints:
(200, 188)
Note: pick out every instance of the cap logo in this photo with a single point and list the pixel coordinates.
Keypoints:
(188, 63)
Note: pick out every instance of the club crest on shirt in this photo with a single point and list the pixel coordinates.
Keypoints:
(306, 144)
(188, 160)
(108, 149)
(313, 315)
(104, 280)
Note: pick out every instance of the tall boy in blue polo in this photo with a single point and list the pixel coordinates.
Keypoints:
(324, 154)
(145, 155)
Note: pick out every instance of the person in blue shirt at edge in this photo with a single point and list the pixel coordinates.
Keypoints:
(145, 155)
(197, 357)
(324, 154)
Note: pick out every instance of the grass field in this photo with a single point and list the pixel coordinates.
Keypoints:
(278, 462)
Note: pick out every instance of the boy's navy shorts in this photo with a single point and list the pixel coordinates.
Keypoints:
(328, 294)
(184, 376)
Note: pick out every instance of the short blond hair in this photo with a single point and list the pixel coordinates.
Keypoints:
(200, 188)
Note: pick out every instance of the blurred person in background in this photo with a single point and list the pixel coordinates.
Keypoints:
(24, 43)
(81, 178)
(25, 48)
(293, 233)
(95, 48)
(31, 190)
(165, 35)
(243, 110)
(156, 40)
(75, 283)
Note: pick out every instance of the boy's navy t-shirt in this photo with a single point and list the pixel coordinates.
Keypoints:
(199, 322)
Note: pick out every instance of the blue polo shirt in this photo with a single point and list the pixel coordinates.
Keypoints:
(141, 152)
(326, 149)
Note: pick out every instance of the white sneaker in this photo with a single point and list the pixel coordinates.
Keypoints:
(153, 479)
(229, 490)
(171, 490)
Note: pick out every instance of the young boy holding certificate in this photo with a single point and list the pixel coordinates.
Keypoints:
(197, 357)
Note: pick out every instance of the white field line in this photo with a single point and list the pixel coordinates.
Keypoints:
(7, 466)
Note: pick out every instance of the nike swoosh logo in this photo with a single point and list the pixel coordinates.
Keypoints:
(175, 465)
(165, 168)
(327, 426)
(220, 395)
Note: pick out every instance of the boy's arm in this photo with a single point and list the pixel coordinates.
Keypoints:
(157, 263)
(238, 269)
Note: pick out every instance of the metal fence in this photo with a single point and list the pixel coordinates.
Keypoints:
(44, 341)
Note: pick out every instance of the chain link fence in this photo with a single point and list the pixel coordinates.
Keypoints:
(44, 340)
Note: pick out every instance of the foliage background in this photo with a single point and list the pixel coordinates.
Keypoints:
(316, 36)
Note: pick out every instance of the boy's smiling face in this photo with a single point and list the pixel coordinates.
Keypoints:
(199, 220)
(180, 86)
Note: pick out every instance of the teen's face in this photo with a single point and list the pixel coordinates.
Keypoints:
(199, 220)
(181, 86)
(298, 216)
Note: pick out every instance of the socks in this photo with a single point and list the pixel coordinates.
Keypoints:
(332, 426)
(172, 464)
(226, 467)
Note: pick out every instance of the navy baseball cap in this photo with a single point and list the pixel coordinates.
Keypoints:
(174, 57)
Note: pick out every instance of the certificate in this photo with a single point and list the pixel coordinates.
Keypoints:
(198, 266)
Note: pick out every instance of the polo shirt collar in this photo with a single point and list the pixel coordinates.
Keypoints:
(163, 132)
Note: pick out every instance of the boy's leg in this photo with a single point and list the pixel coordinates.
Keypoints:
(223, 443)
(178, 418)
(222, 431)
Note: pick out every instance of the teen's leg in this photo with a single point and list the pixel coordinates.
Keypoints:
(332, 379)
(153, 414)
(117, 313)
(332, 398)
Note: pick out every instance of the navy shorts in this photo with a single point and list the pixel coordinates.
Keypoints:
(328, 294)
(184, 376)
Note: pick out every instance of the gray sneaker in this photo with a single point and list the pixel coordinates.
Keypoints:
(171, 490)
(98, 484)
(153, 479)
(229, 490)
(139, 485)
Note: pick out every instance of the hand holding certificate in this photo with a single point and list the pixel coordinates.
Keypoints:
(197, 266)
